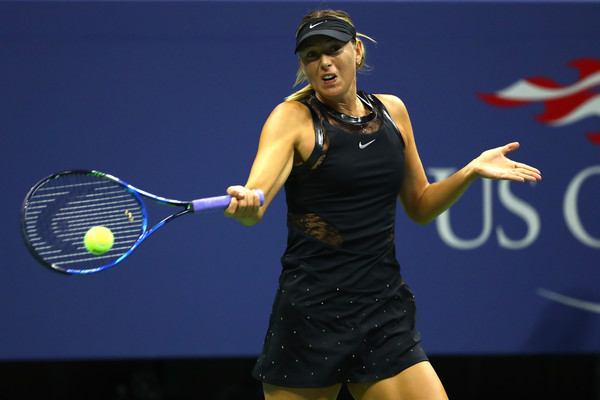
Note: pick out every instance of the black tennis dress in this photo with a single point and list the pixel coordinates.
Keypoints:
(342, 312)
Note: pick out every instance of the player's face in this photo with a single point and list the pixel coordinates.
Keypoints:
(330, 65)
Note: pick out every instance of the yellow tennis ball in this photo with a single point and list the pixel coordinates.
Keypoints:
(98, 240)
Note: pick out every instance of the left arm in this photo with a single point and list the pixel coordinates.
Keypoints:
(424, 201)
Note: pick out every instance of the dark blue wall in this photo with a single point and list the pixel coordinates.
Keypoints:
(171, 97)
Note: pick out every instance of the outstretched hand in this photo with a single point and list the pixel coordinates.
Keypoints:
(494, 164)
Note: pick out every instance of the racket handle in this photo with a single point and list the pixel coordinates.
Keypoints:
(219, 202)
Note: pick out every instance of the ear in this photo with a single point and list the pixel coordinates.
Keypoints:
(359, 52)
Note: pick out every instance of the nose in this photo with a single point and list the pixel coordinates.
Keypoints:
(325, 62)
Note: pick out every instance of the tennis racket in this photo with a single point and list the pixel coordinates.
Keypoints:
(60, 209)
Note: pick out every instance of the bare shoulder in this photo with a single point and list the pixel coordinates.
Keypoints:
(290, 122)
(399, 114)
(395, 106)
(290, 112)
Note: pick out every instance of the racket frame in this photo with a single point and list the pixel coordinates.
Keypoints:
(195, 206)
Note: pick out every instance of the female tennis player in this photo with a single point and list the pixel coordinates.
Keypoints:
(342, 313)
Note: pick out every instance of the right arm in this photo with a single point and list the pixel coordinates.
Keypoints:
(286, 136)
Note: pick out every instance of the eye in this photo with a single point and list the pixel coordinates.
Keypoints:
(310, 55)
(334, 48)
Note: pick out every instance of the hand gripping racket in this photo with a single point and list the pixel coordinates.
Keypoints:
(60, 209)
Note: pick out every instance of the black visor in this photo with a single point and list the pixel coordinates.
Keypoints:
(326, 26)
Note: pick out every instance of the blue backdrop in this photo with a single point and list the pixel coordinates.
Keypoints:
(171, 97)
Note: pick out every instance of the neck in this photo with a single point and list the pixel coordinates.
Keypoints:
(350, 105)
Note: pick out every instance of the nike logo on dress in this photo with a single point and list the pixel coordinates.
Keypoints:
(362, 146)
(313, 25)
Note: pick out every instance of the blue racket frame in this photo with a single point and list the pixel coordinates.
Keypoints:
(195, 206)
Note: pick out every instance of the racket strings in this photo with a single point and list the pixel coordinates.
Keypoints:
(61, 210)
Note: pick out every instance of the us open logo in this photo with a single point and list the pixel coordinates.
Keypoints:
(563, 105)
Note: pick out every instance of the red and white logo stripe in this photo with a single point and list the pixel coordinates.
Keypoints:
(563, 104)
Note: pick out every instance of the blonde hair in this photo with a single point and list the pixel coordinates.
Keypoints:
(300, 77)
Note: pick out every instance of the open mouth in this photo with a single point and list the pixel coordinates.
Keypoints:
(329, 78)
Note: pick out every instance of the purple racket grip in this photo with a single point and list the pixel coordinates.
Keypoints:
(219, 202)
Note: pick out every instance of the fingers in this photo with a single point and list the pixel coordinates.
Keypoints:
(521, 172)
(244, 202)
(529, 170)
(510, 147)
(529, 173)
